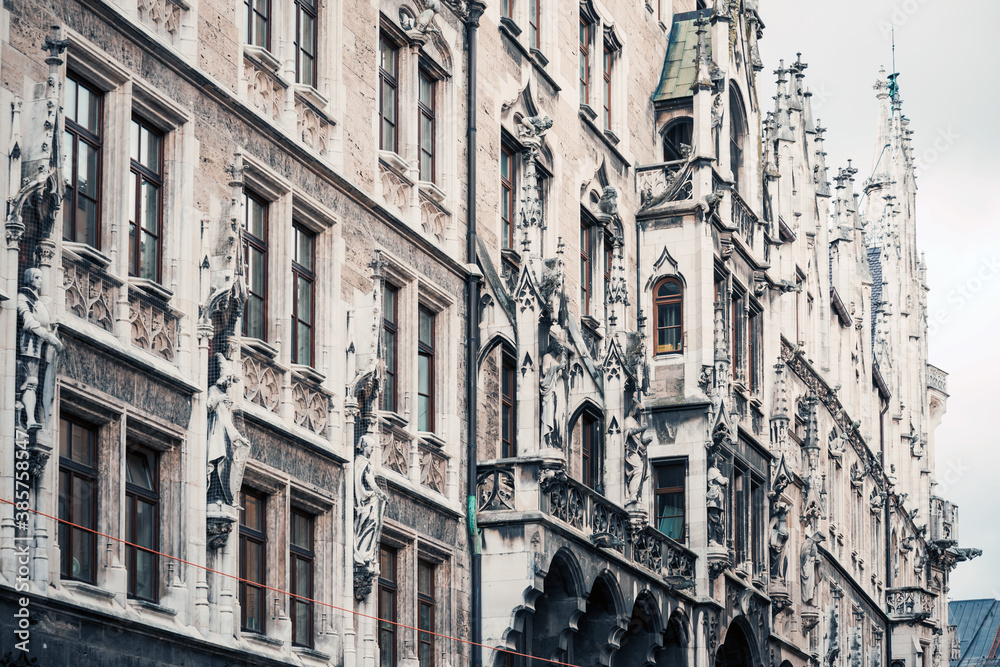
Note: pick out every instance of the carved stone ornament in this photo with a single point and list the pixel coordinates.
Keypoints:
(636, 445)
(808, 563)
(369, 513)
(38, 349)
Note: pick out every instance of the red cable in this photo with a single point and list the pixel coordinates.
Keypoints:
(278, 590)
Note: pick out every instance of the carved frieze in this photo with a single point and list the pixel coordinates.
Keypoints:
(312, 406)
(395, 451)
(433, 468)
(154, 327)
(90, 293)
(164, 17)
(265, 91)
(313, 127)
(261, 382)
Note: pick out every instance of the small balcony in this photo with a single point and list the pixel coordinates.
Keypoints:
(909, 604)
(937, 379)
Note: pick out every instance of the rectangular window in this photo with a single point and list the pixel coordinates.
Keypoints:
(534, 24)
(506, 9)
(255, 260)
(301, 558)
(507, 197)
(252, 561)
(586, 36)
(508, 407)
(387, 607)
(585, 279)
(303, 302)
(425, 128)
(670, 499)
(257, 30)
(305, 42)
(389, 332)
(82, 145)
(755, 355)
(146, 201)
(741, 516)
(388, 87)
(142, 523)
(590, 450)
(609, 258)
(425, 362)
(78, 500)
(608, 63)
(425, 612)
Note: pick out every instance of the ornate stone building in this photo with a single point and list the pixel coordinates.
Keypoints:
(277, 272)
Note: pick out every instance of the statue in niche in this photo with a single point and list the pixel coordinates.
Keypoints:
(369, 511)
(777, 541)
(808, 560)
(715, 500)
(636, 444)
(38, 347)
(553, 389)
(228, 449)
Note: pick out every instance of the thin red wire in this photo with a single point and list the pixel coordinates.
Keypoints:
(278, 590)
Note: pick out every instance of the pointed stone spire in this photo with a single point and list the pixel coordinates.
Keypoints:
(883, 137)
(782, 118)
(703, 79)
(820, 175)
(798, 69)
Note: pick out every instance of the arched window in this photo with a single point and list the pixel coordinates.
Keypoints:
(737, 134)
(677, 140)
(668, 301)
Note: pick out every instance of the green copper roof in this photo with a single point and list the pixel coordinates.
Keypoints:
(680, 67)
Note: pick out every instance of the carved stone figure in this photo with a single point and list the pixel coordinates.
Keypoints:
(534, 126)
(636, 444)
(37, 350)
(715, 499)
(369, 511)
(777, 541)
(808, 559)
(228, 449)
(423, 22)
(553, 394)
(609, 201)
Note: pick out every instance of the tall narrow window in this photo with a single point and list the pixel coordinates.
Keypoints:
(255, 257)
(82, 143)
(586, 237)
(677, 140)
(609, 57)
(506, 9)
(425, 362)
(390, 297)
(755, 351)
(257, 29)
(591, 451)
(507, 197)
(670, 499)
(77, 500)
(303, 303)
(508, 406)
(146, 204)
(305, 42)
(586, 37)
(669, 304)
(388, 85)
(425, 128)
(387, 607)
(534, 24)
(252, 563)
(609, 258)
(425, 612)
(741, 516)
(142, 523)
(737, 132)
(301, 558)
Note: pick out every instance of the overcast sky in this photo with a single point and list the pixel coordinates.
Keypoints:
(948, 56)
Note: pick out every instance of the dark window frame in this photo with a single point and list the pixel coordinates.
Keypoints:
(535, 24)
(133, 495)
(310, 9)
(668, 302)
(591, 449)
(301, 273)
(683, 126)
(586, 264)
(250, 241)
(387, 617)
(298, 553)
(428, 112)
(251, 38)
(508, 404)
(508, 223)
(586, 40)
(392, 80)
(668, 491)
(507, 9)
(426, 600)
(251, 535)
(79, 134)
(427, 350)
(737, 135)
(85, 473)
(607, 69)
(391, 327)
(145, 174)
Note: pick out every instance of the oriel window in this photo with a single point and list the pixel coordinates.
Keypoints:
(252, 562)
(390, 297)
(146, 201)
(425, 364)
(142, 523)
(255, 258)
(301, 557)
(426, 126)
(77, 500)
(82, 147)
(388, 104)
(303, 303)
(305, 42)
(668, 302)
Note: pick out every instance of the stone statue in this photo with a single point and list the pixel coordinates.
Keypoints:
(228, 449)
(808, 560)
(37, 349)
(608, 205)
(533, 127)
(369, 511)
(715, 499)
(777, 541)
(553, 394)
(421, 24)
(636, 444)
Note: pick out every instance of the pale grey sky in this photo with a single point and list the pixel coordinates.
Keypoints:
(948, 56)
